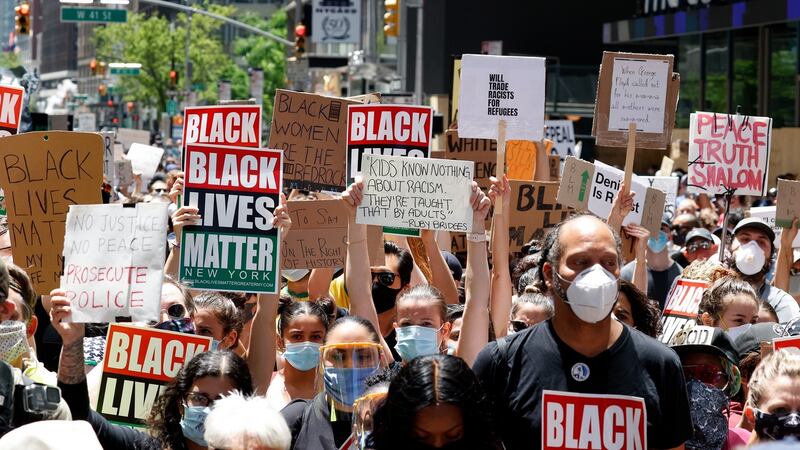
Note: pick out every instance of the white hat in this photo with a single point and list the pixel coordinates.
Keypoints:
(52, 435)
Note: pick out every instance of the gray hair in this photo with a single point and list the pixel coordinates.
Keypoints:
(237, 420)
(536, 299)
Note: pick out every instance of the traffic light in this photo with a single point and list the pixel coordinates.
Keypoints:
(23, 19)
(391, 19)
(93, 66)
(130, 106)
(173, 79)
(102, 90)
(299, 40)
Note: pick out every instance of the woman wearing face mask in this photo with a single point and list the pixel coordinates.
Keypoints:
(352, 353)
(421, 324)
(218, 318)
(434, 402)
(773, 403)
(302, 327)
(731, 304)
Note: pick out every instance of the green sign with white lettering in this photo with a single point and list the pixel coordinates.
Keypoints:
(124, 70)
(97, 15)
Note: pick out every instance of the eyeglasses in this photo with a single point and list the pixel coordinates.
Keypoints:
(705, 374)
(705, 245)
(384, 278)
(518, 325)
(198, 399)
(176, 311)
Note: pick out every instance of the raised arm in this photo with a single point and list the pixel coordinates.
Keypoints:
(417, 277)
(623, 204)
(319, 282)
(785, 258)
(502, 290)
(70, 366)
(442, 277)
(640, 271)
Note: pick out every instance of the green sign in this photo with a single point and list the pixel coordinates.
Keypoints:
(172, 107)
(125, 70)
(97, 15)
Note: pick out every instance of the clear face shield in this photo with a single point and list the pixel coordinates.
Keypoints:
(363, 412)
(344, 369)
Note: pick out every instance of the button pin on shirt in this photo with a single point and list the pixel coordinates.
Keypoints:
(580, 372)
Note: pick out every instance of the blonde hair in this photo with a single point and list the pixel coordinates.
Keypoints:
(781, 363)
(706, 270)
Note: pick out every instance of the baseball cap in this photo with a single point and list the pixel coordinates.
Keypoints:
(701, 233)
(666, 220)
(702, 339)
(453, 264)
(750, 340)
(755, 222)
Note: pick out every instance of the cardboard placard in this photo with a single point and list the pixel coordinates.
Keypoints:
(767, 215)
(108, 155)
(787, 203)
(639, 88)
(235, 125)
(483, 152)
(681, 307)
(534, 211)
(416, 193)
(42, 174)
(130, 136)
(521, 160)
(144, 159)
(11, 98)
(667, 184)
(578, 421)
(562, 133)
(124, 172)
(394, 130)
(456, 90)
(666, 167)
(113, 261)
(495, 88)
(236, 247)
(312, 132)
(786, 342)
(318, 237)
(138, 363)
(728, 152)
(367, 99)
(554, 165)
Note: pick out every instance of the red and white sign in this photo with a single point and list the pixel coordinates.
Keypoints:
(729, 152)
(575, 421)
(237, 125)
(10, 109)
(389, 130)
(683, 302)
(786, 342)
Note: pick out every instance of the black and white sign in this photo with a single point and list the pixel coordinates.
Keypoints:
(336, 21)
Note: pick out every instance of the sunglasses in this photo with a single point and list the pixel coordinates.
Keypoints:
(384, 278)
(706, 374)
(176, 311)
(518, 325)
(159, 191)
(697, 246)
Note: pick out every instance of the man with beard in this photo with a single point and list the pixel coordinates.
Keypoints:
(752, 250)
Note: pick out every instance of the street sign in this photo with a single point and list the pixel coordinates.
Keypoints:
(97, 15)
(125, 68)
(172, 107)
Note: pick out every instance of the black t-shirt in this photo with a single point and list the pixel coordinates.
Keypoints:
(658, 282)
(536, 359)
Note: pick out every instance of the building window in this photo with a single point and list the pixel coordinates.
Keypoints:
(689, 56)
(716, 75)
(783, 71)
(745, 71)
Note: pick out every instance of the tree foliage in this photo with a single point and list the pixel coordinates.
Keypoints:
(260, 52)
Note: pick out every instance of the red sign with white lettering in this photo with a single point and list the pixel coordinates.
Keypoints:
(575, 421)
(786, 342)
(238, 125)
(10, 109)
(683, 302)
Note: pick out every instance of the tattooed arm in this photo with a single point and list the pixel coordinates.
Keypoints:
(70, 367)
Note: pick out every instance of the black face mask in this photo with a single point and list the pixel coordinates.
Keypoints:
(678, 238)
(710, 424)
(383, 297)
(776, 427)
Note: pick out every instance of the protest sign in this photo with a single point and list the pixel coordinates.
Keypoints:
(681, 307)
(786, 342)
(312, 131)
(85, 121)
(456, 90)
(554, 166)
(137, 365)
(767, 215)
(144, 159)
(10, 109)
(124, 172)
(578, 421)
(635, 88)
(667, 184)
(42, 173)
(728, 152)
(787, 203)
(521, 160)
(235, 125)
(416, 193)
(666, 167)
(319, 235)
(113, 261)
(235, 248)
(394, 130)
(483, 152)
(108, 155)
(130, 136)
(337, 22)
(534, 211)
(562, 133)
(495, 88)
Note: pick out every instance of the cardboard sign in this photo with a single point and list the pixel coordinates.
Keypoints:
(416, 193)
(635, 88)
(562, 133)
(592, 421)
(786, 342)
(124, 172)
(236, 190)
(593, 187)
(787, 203)
(534, 211)
(113, 261)
(336, 22)
(767, 215)
(483, 152)
(728, 152)
(456, 90)
(521, 160)
(683, 302)
(554, 164)
(319, 235)
(42, 174)
(312, 131)
(145, 159)
(494, 88)
(130, 136)
(393, 130)
(11, 98)
(137, 365)
(668, 185)
(235, 125)
(108, 155)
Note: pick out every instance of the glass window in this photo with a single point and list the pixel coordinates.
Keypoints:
(716, 72)
(783, 69)
(689, 54)
(745, 71)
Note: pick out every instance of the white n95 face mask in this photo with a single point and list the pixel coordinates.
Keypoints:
(592, 294)
(750, 258)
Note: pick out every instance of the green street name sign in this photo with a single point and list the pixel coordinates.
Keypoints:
(124, 70)
(98, 15)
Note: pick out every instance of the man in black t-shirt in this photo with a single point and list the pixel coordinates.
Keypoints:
(582, 350)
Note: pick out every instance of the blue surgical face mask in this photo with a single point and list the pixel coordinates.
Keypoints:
(414, 341)
(302, 356)
(658, 244)
(193, 423)
(345, 385)
(214, 344)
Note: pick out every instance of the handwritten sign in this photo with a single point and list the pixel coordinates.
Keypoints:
(312, 132)
(669, 185)
(145, 159)
(635, 88)
(578, 421)
(42, 174)
(726, 152)
(521, 160)
(393, 130)
(495, 88)
(683, 303)
(236, 189)
(235, 125)
(483, 152)
(10, 109)
(319, 235)
(137, 365)
(108, 155)
(787, 203)
(534, 211)
(562, 133)
(113, 261)
(416, 193)
(124, 172)
(767, 215)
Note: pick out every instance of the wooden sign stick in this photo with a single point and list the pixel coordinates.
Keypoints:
(629, 157)
(501, 159)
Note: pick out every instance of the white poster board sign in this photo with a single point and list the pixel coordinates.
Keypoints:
(638, 93)
(145, 159)
(605, 189)
(85, 121)
(336, 22)
(562, 133)
(670, 186)
(767, 215)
